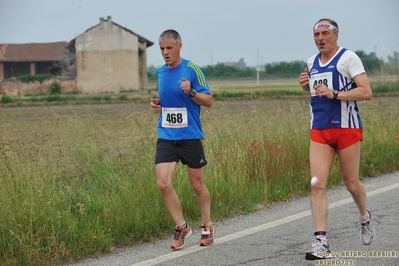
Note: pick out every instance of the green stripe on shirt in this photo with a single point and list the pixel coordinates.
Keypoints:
(200, 75)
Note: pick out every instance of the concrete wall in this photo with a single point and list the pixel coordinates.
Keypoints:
(107, 59)
(16, 88)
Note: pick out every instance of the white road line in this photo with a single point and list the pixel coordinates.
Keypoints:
(253, 230)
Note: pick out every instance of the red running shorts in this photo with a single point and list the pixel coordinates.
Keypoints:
(337, 138)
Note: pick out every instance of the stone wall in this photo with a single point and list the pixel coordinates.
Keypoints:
(15, 88)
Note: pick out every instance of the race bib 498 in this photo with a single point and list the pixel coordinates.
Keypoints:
(323, 79)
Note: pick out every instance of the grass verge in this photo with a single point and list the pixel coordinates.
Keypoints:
(82, 183)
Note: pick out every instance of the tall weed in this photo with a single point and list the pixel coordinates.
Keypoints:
(74, 184)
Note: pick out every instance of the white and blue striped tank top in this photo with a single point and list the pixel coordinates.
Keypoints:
(337, 74)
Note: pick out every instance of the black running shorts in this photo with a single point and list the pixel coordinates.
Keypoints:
(189, 152)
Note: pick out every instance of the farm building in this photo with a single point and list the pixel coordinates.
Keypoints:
(110, 58)
(105, 58)
(29, 58)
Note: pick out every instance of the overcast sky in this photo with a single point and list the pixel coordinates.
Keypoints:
(212, 30)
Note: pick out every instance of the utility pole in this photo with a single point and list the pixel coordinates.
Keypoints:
(257, 70)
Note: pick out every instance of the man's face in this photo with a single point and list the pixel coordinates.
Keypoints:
(170, 51)
(324, 37)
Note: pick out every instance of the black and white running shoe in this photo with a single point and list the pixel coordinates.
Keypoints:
(320, 251)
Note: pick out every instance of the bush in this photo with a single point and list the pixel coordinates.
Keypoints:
(31, 78)
(55, 88)
(53, 98)
(123, 97)
(6, 99)
(386, 86)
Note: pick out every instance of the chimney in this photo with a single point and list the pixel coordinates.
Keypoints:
(101, 23)
(109, 22)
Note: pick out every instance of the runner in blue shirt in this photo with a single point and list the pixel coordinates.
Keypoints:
(182, 89)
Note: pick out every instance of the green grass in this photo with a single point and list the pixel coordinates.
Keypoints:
(79, 180)
(221, 90)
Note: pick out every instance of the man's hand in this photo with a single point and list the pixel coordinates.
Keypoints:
(185, 85)
(304, 80)
(322, 90)
(156, 105)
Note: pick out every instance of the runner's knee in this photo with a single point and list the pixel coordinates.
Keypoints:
(354, 188)
(316, 185)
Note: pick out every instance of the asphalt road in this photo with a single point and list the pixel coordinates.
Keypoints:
(282, 233)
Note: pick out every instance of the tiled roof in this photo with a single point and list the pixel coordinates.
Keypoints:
(32, 52)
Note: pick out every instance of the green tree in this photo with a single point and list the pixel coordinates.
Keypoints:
(151, 73)
(284, 69)
(240, 64)
(371, 63)
(221, 71)
(393, 61)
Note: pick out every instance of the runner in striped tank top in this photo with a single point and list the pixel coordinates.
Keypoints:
(336, 80)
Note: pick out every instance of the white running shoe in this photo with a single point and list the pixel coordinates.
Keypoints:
(367, 232)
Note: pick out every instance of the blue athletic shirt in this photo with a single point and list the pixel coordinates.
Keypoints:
(337, 74)
(180, 115)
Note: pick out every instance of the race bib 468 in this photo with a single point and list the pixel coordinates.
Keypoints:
(174, 117)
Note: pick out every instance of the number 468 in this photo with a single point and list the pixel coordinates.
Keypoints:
(174, 118)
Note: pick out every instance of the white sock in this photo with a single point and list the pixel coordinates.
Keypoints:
(364, 219)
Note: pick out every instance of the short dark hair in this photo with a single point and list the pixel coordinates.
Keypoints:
(332, 22)
(170, 34)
